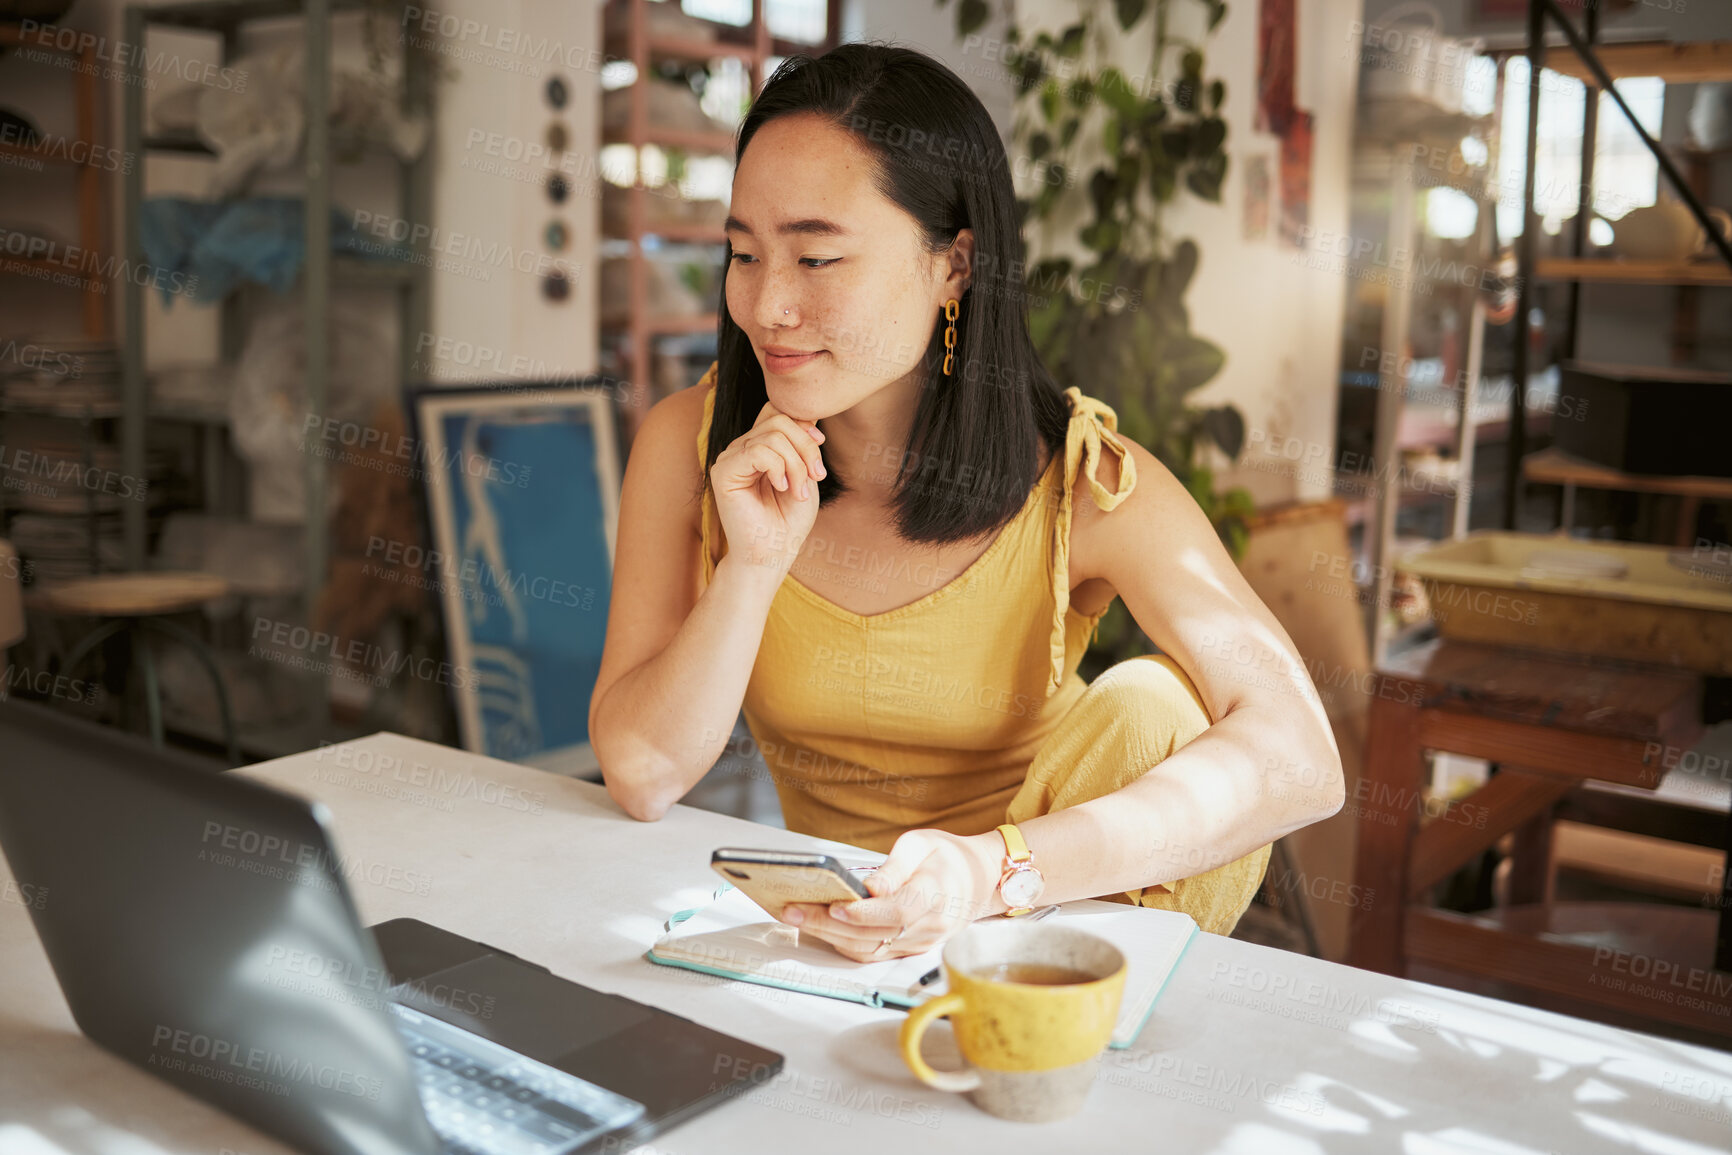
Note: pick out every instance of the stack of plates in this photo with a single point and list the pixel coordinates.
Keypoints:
(1581, 564)
(61, 374)
(66, 479)
(59, 547)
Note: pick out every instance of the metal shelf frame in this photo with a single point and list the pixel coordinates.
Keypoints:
(411, 283)
(1587, 60)
(1386, 133)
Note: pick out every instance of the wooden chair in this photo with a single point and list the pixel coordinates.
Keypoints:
(1549, 724)
(134, 604)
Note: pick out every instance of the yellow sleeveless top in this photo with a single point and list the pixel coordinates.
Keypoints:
(927, 715)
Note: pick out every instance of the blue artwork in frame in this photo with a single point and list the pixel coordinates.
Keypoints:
(523, 500)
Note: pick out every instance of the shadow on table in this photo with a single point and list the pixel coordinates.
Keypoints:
(1433, 1070)
(1446, 1074)
(50, 1115)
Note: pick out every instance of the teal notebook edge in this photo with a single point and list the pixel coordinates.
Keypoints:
(877, 998)
(1159, 991)
(874, 999)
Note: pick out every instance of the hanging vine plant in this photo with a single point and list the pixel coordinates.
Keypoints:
(1146, 143)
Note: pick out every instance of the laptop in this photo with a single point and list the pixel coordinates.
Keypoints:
(201, 927)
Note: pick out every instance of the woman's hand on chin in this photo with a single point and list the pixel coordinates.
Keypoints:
(932, 885)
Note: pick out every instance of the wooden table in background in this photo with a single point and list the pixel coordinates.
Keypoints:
(1549, 724)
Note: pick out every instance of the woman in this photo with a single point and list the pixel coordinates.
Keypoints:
(900, 535)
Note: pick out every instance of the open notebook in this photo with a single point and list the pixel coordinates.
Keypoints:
(734, 938)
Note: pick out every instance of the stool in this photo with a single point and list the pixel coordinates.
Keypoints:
(137, 603)
(1549, 723)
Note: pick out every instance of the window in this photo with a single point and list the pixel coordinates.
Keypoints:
(1626, 175)
(801, 20)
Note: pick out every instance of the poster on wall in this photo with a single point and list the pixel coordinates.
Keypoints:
(1275, 66)
(1296, 180)
(1278, 113)
(522, 493)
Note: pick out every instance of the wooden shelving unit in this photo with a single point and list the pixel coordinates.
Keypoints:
(1555, 467)
(752, 45)
(1621, 272)
(96, 318)
(1673, 62)
(1690, 63)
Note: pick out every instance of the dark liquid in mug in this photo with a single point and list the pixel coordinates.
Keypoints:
(1038, 974)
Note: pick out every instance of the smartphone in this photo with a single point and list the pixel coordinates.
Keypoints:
(774, 878)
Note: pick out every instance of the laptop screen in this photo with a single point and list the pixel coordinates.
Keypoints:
(199, 926)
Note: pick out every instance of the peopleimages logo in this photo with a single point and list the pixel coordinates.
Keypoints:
(29, 355)
(423, 461)
(1662, 979)
(59, 472)
(34, 33)
(508, 42)
(71, 262)
(350, 653)
(196, 1053)
(49, 146)
(343, 980)
(272, 856)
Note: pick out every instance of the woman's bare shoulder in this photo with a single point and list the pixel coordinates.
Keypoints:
(666, 445)
(1093, 528)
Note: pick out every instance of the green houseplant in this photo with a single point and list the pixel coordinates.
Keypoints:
(1145, 142)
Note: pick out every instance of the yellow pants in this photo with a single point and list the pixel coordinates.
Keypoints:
(1132, 716)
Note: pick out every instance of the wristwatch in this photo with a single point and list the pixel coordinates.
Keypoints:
(1021, 883)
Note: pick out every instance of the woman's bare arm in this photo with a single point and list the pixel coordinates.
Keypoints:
(1266, 767)
(677, 660)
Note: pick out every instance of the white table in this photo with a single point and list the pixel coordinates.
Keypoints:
(1250, 1049)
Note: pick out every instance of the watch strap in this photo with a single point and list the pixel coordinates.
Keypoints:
(1017, 858)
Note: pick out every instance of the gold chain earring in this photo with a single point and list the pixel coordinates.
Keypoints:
(950, 308)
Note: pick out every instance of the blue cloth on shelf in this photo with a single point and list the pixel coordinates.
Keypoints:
(259, 239)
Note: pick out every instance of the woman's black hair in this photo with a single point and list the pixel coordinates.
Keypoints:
(973, 451)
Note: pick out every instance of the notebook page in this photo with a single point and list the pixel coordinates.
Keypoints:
(733, 934)
(1152, 942)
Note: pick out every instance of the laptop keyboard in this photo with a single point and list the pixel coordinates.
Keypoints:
(484, 1099)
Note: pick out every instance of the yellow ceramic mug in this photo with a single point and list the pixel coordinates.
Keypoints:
(1033, 1005)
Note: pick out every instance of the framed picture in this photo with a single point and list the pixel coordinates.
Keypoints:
(1257, 189)
(522, 487)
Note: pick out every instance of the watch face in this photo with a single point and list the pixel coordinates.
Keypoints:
(1022, 888)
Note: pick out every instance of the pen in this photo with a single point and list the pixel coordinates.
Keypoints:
(931, 976)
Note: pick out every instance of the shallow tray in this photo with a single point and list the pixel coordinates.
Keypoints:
(1546, 592)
